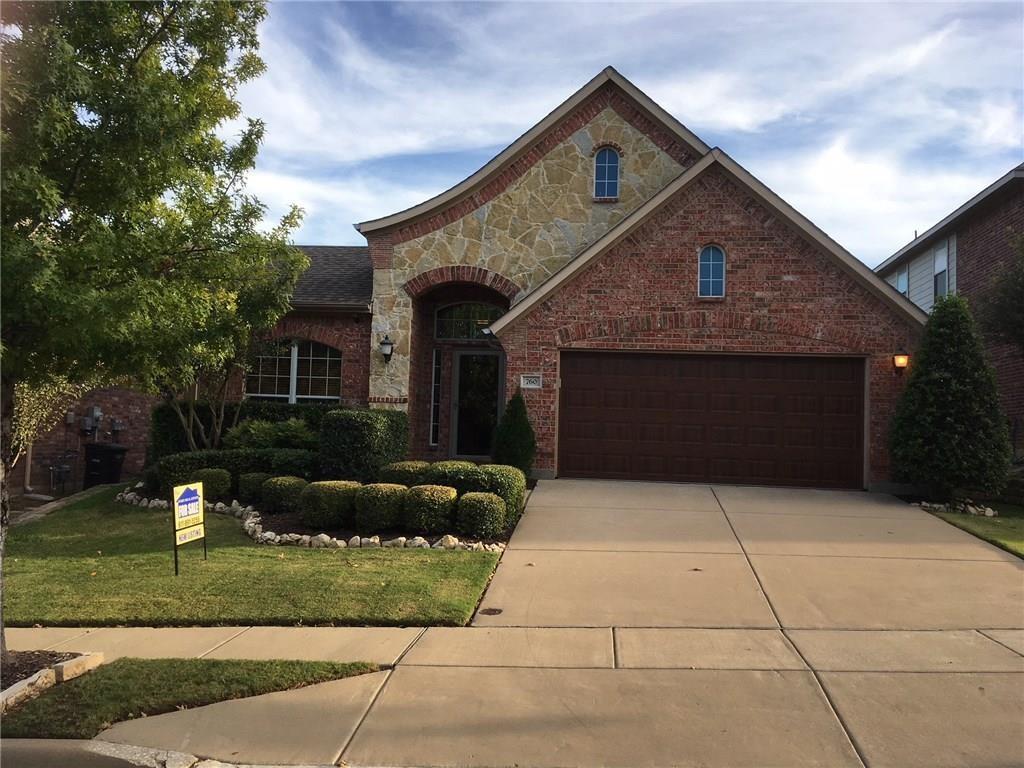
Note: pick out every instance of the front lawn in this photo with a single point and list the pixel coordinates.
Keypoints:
(131, 688)
(1006, 531)
(98, 562)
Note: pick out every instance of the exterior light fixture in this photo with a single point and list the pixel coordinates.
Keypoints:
(900, 361)
(387, 348)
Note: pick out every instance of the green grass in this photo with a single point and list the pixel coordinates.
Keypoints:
(100, 563)
(1006, 531)
(131, 688)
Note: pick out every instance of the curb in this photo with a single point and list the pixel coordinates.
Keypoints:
(60, 672)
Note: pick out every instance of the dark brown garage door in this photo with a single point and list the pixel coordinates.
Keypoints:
(712, 418)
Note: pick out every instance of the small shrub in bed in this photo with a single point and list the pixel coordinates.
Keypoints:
(510, 484)
(257, 433)
(250, 486)
(481, 515)
(329, 504)
(463, 476)
(216, 483)
(378, 507)
(430, 508)
(408, 473)
(282, 494)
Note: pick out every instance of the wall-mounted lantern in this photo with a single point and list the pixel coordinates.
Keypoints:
(900, 361)
(387, 348)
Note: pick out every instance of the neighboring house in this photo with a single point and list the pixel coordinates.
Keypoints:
(667, 316)
(964, 253)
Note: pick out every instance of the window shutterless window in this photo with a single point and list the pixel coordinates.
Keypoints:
(711, 272)
(606, 173)
(941, 258)
(435, 399)
(297, 372)
(903, 280)
(465, 321)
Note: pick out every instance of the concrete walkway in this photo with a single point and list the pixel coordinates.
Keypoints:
(654, 624)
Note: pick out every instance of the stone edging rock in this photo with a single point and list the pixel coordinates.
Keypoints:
(252, 524)
(961, 506)
(47, 678)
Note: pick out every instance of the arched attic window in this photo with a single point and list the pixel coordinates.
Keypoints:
(295, 371)
(606, 174)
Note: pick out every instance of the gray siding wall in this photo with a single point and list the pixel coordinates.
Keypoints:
(922, 275)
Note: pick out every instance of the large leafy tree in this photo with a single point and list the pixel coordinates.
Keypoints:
(1002, 312)
(129, 246)
(948, 432)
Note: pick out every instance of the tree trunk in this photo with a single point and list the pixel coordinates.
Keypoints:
(6, 464)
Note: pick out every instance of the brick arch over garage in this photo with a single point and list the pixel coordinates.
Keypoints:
(838, 340)
(461, 273)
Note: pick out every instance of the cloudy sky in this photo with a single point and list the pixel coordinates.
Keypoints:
(871, 119)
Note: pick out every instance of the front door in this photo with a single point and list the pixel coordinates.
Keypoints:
(476, 403)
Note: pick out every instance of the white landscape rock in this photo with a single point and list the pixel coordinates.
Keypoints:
(369, 542)
(355, 541)
(395, 543)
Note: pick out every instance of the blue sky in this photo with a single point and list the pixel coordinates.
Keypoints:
(871, 119)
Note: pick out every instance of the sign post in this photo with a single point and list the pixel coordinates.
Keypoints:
(188, 517)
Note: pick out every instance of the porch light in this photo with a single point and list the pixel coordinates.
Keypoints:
(900, 361)
(387, 348)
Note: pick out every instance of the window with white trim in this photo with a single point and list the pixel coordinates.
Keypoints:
(606, 174)
(711, 272)
(297, 371)
(903, 279)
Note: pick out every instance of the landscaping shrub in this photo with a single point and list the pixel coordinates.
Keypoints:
(282, 494)
(355, 444)
(151, 480)
(379, 506)
(948, 432)
(290, 461)
(166, 435)
(463, 476)
(329, 504)
(257, 433)
(514, 441)
(250, 486)
(178, 467)
(430, 508)
(408, 473)
(216, 483)
(481, 515)
(510, 484)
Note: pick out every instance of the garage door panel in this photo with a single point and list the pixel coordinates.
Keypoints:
(743, 419)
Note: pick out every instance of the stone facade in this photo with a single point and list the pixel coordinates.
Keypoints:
(783, 296)
(524, 231)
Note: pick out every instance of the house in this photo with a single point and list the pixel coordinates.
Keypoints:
(665, 314)
(964, 253)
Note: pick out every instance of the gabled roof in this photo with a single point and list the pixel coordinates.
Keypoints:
(340, 277)
(715, 158)
(944, 226)
(528, 139)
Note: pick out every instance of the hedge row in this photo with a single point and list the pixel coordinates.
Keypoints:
(355, 444)
(508, 483)
(180, 468)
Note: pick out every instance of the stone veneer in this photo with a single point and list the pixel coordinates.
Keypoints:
(524, 233)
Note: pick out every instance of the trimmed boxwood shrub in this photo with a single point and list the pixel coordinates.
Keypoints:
(282, 494)
(463, 476)
(355, 444)
(177, 468)
(257, 433)
(379, 506)
(430, 508)
(481, 515)
(329, 504)
(250, 486)
(514, 441)
(216, 483)
(408, 473)
(510, 484)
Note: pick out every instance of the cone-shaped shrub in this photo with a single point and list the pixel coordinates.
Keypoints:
(948, 432)
(514, 441)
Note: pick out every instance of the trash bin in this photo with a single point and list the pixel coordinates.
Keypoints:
(103, 463)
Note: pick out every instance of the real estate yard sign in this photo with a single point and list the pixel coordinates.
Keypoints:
(188, 517)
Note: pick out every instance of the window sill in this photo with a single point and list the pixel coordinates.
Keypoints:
(711, 298)
(605, 200)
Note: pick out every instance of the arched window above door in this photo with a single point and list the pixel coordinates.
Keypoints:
(466, 320)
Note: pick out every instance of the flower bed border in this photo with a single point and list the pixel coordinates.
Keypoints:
(61, 672)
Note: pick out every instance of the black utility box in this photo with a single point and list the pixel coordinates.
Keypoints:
(103, 462)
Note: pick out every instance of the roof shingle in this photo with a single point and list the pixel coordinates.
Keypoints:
(338, 275)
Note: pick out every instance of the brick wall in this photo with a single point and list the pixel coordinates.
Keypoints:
(984, 247)
(783, 296)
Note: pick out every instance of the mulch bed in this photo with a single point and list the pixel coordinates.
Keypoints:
(21, 664)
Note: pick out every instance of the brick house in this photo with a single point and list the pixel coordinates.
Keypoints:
(665, 314)
(964, 253)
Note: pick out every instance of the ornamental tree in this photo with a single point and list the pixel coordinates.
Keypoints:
(948, 432)
(129, 246)
(514, 441)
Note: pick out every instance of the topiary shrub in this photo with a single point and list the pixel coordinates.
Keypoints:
(379, 506)
(481, 515)
(430, 508)
(463, 476)
(408, 473)
(355, 444)
(329, 504)
(216, 483)
(282, 494)
(250, 486)
(514, 441)
(948, 432)
(510, 484)
(257, 433)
